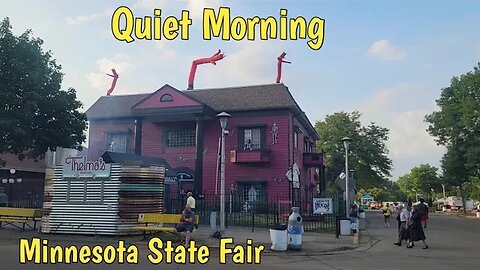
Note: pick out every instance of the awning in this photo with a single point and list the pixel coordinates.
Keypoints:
(114, 157)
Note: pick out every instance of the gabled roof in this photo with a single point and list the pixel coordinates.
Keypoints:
(178, 98)
(114, 106)
(244, 98)
(230, 99)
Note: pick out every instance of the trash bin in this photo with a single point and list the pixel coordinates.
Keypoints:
(345, 227)
(279, 236)
(295, 230)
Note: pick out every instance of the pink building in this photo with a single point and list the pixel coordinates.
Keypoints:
(268, 134)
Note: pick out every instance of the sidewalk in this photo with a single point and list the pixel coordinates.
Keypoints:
(312, 243)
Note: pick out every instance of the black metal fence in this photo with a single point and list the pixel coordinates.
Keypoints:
(261, 212)
(25, 204)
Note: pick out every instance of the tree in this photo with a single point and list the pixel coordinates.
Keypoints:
(367, 153)
(35, 113)
(421, 179)
(457, 126)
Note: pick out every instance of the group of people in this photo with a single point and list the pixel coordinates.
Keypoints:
(412, 219)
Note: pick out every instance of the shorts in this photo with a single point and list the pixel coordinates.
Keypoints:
(184, 227)
(387, 218)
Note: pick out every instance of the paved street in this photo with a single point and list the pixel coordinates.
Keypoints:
(454, 244)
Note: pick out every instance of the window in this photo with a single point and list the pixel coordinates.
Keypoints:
(119, 142)
(85, 190)
(166, 98)
(252, 139)
(252, 192)
(295, 139)
(181, 138)
(308, 147)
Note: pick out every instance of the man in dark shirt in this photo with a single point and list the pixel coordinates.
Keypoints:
(187, 223)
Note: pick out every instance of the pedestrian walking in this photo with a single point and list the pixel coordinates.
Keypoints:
(387, 213)
(3, 197)
(354, 218)
(416, 232)
(423, 208)
(191, 202)
(403, 217)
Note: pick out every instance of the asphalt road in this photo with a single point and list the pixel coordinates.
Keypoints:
(454, 244)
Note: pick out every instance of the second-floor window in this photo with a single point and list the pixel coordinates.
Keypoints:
(252, 139)
(180, 138)
(119, 142)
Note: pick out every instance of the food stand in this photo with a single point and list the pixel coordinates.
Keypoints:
(93, 197)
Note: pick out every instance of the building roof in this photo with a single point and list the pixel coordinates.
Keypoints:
(230, 99)
(26, 165)
(114, 106)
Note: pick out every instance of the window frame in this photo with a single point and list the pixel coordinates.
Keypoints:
(167, 138)
(128, 143)
(241, 137)
(166, 98)
(244, 187)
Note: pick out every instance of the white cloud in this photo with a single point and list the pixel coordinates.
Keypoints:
(384, 50)
(398, 109)
(194, 6)
(78, 20)
(122, 64)
(152, 4)
(81, 19)
(165, 48)
(253, 63)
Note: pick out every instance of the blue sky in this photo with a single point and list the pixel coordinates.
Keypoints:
(387, 59)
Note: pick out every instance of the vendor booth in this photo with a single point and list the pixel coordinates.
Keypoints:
(95, 197)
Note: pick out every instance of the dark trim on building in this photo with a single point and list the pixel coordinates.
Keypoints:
(138, 136)
(200, 134)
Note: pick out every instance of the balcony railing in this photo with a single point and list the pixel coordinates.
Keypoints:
(254, 156)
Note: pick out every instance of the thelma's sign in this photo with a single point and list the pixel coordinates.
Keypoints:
(80, 167)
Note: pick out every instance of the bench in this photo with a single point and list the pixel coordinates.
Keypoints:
(14, 216)
(154, 222)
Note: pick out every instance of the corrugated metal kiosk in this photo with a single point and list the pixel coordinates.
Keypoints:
(92, 197)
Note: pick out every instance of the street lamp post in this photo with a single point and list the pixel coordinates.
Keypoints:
(346, 143)
(443, 187)
(223, 116)
(12, 180)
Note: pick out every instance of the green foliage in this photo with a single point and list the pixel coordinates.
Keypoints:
(457, 126)
(35, 112)
(367, 152)
(390, 192)
(421, 179)
(472, 189)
